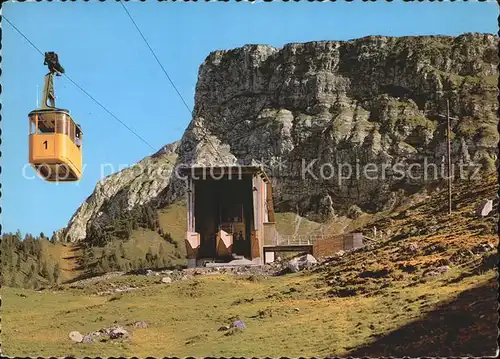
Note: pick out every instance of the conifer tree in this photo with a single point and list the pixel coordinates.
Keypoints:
(121, 250)
(56, 273)
(149, 256)
(104, 263)
(44, 272)
(12, 282)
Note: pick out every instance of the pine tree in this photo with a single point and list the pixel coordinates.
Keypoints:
(13, 282)
(135, 225)
(129, 229)
(38, 249)
(44, 272)
(121, 250)
(149, 256)
(104, 264)
(161, 251)
(115, 259)
(28, 244)
(157, 261)
(98, 269)
(141, 264)
(30, 280)
(56, 273)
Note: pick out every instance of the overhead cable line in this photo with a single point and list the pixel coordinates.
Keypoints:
(156, 58)
(83, 90)
(169, 78)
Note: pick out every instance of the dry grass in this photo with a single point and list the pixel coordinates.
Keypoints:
(374, 301)
(183, 317)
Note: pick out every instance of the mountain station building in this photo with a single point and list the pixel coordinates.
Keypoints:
(229, 214)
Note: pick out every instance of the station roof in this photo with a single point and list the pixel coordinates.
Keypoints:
(196, 170)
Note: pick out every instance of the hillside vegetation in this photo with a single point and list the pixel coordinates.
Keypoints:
(426, 287)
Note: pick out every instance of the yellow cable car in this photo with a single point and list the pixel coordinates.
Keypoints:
(55, 141)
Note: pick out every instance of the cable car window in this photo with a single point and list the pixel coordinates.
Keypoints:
(62, 124)
(46, 123)
(72, 130)
(78, 136)
(32, 126)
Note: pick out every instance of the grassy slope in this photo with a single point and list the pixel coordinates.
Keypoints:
(64, 255)
(375, 301)
(183, 317)
(173, 221)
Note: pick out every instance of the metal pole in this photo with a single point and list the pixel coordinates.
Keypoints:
(448, 134)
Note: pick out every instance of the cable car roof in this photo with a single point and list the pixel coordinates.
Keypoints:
(45, 110)
(55, 110)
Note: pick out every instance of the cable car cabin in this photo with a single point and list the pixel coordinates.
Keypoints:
(55, 145)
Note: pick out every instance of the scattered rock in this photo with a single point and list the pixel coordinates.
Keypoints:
(76, 336)
(411, 248)
(484, 208)
(124, 289)
(435, 248)
(436, 271)
(238, 324)
(293, 266)
(118, 333)
(296, 309)
(299, 263)
(461, 255)
(265, 313)
(224, 328)
(149, 272)
(88, 339)
(482, 248)
(166, 280)
(354, 212)
(140, 324)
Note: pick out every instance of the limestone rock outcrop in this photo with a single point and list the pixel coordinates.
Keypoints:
(312, 112)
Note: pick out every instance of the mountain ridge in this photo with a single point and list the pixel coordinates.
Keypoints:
(373, 99)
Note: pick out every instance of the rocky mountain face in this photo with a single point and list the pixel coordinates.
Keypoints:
(134, 186)
(313, 112)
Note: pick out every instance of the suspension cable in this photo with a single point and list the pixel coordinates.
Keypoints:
(168, 77)
(82, 89)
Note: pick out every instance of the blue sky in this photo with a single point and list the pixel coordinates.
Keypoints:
(102, 51)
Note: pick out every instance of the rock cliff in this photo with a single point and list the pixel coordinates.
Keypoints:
(310, 111)
(122, 191)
